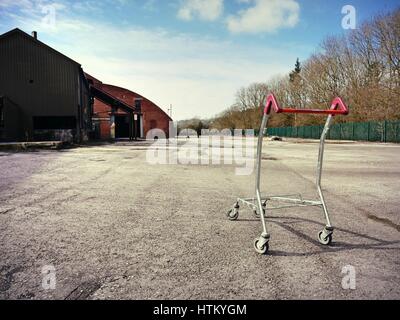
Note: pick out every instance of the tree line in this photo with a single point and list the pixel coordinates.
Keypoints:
(361, 66)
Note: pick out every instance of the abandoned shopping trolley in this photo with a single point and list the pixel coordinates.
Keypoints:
(259, 203)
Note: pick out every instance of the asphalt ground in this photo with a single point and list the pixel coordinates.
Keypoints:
(101, 222)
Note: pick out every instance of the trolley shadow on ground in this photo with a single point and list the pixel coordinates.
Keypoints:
(336, 246)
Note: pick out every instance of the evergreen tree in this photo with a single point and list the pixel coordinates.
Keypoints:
(297, 66)
(296, 72)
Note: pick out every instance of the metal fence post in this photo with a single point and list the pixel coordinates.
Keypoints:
(385, 131)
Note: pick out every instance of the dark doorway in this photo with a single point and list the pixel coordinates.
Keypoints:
(122, 126)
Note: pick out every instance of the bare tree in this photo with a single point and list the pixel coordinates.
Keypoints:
(363, 67)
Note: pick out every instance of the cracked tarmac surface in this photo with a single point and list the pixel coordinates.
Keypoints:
(115, 227)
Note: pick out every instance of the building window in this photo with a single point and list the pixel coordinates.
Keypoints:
(1, 112)
(54, 123)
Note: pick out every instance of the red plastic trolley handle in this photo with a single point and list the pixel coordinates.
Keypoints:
(337, 107)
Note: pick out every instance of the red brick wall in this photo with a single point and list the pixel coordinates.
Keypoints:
(102, 111)
(152, 114)
(105, 129)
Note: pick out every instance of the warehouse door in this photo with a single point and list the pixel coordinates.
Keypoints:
(122, 126)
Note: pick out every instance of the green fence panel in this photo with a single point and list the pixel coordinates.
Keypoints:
(376, 131)
(295, 134)
(304, 135)
(392, 131)
(287, 133)
(361, 131)
(312, 132)
(346, 132)
(300, 132)
(315, 132)
(308, 132)
(335, 132)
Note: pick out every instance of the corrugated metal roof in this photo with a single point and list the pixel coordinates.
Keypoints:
(19, 31)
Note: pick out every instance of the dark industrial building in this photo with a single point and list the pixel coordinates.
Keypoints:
(44, 95)
(119, 113)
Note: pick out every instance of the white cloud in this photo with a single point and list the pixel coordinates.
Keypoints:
(31, 9)
(15, 3)
(192, 72)
(32, 5)
(265, 16)
(203, 9)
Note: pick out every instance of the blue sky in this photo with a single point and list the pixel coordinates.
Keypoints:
(193, 54)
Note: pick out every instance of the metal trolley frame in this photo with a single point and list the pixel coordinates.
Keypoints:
(259, 203)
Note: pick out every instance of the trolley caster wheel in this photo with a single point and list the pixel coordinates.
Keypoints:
(325, 239)
(256, 213)
(233, 214)
(263, 249)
